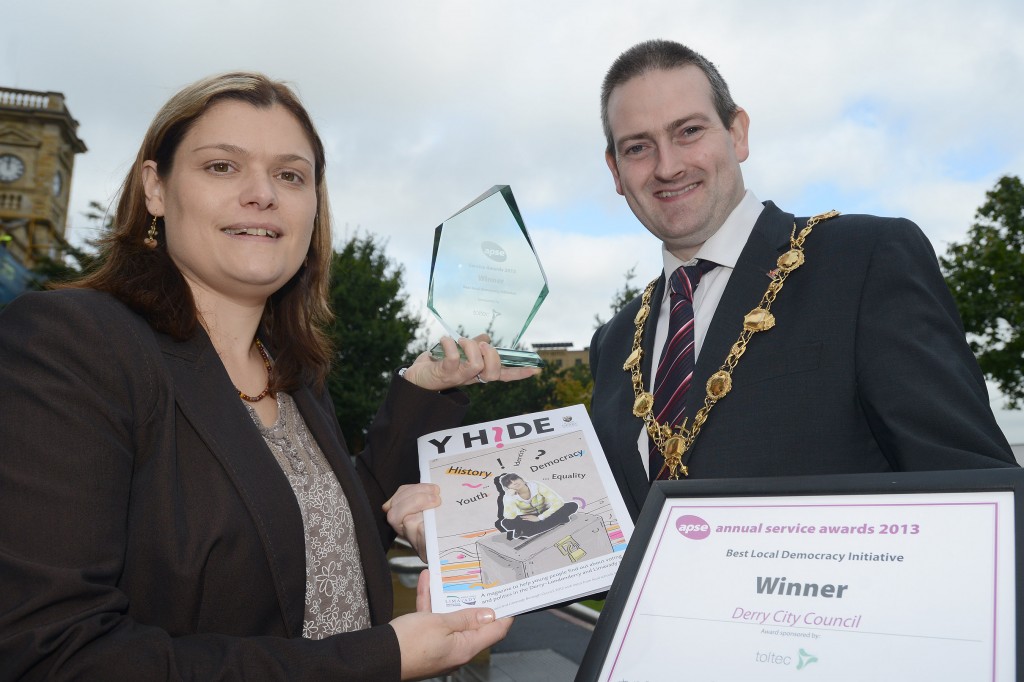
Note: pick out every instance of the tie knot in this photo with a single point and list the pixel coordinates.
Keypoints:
(686, 277)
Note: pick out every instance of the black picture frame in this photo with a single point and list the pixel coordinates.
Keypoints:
(665, 492)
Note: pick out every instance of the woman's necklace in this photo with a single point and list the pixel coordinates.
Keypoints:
(674, 443)
(266, 363)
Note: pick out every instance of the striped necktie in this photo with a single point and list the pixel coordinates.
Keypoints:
(675, 370)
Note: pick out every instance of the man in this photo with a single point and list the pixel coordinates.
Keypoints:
(855, 360)
(530, 508)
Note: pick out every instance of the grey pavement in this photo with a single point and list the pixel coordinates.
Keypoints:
(544, 646)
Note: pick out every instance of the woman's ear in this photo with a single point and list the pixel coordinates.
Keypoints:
(153, 187)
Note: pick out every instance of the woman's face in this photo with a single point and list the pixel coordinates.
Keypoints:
(239, 202)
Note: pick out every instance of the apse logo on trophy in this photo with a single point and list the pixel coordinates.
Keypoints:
(485, 276)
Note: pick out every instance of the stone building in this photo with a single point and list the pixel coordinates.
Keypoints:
(38, 143)
(562, 354)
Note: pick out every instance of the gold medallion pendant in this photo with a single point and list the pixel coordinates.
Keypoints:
(674, 448)
(791, 260)
(719, 385)
(643, 404)
(641, 315)
(675, 443)
(758, 320)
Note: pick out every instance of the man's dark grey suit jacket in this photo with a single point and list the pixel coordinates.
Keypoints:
(866, 370)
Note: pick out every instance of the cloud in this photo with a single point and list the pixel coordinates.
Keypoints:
(893, 108)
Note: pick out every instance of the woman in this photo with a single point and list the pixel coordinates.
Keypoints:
(177, 497)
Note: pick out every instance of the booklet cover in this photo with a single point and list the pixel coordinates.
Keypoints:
(530, 515)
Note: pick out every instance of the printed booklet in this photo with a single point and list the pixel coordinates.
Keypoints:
(530, 515)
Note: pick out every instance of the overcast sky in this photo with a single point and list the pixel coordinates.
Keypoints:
(908, 108)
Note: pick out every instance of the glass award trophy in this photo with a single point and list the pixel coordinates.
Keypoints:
(485, 276)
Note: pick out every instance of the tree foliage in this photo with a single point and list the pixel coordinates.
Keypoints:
(500, 400)
(986, 276)
(75, 261)
(622, 296)
(371, 332)
(574, 386)
(554, 387)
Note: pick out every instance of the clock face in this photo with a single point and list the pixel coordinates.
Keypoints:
(11, 168)
(58, 183)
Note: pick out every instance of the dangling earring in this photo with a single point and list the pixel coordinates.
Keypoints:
(150, 240)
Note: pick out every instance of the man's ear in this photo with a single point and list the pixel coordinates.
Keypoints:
(609, 158)
(153, 187)
(739, 128)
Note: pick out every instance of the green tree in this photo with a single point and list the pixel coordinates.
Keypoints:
(574, 386)
(75, 261)
(371, 333)
(986, 275)
(553, 387)
(499, 400)
(72, 265)
(623, 296)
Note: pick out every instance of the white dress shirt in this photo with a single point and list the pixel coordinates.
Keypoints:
(723, 248)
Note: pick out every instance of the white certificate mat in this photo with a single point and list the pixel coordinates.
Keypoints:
(912, 585)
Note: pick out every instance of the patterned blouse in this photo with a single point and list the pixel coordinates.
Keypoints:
(335, 588)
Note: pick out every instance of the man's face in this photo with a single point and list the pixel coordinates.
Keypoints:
(674, 160)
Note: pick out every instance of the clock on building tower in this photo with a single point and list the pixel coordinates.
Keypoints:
(38, 143)
(11, 168)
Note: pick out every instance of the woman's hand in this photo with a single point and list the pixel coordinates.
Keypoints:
(435, 643)
(482, 364)
(405, 512)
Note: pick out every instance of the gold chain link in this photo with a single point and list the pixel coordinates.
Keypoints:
(675, 443)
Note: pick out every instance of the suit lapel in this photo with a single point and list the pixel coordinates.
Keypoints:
(747, 284)
(204, 394)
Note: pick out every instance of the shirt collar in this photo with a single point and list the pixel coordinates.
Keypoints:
(725, 245)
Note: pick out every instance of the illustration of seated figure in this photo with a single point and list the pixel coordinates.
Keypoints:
(530, 507)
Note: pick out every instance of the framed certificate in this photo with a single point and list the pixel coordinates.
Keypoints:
(900, 576)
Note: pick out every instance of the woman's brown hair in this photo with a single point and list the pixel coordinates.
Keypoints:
(148, 281)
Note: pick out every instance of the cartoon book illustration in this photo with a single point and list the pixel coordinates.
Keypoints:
(530, 514)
